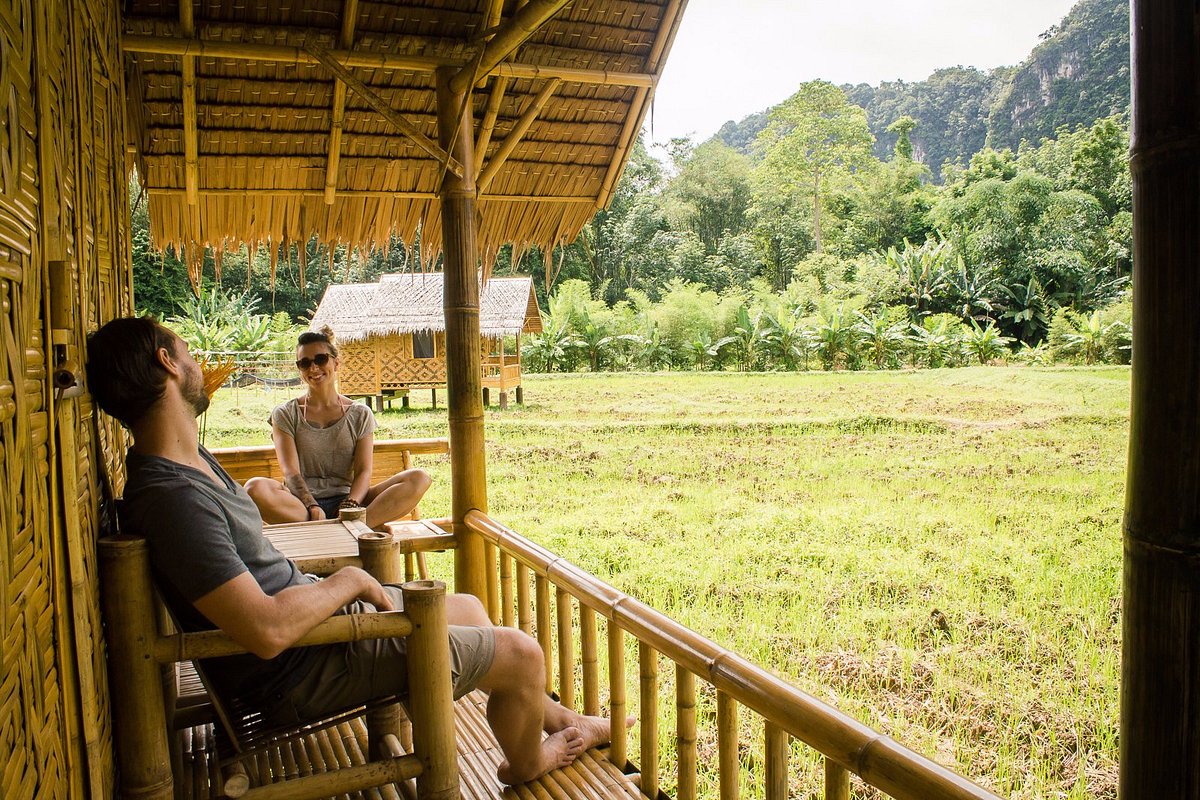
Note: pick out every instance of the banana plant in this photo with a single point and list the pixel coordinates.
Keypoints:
(986, 344)
(882, 337)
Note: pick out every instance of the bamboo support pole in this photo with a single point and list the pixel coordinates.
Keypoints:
(777, 762)
(648, 717)
(346, 40)
(382, 559)
(285, 54)
(528, 115)
(488, 125)
(372, 98)
(507, 38)
(506, 590)
(837, 781)
(139, 719)
(524, 612)
(566, 650)
(542, 590)
(685, 738)
(877, 759)
(727, 746)
(1160, 641)
(616, 697)
(591, 661)
(430, 702)
(493, 586)
(191, 146)
(463, 370)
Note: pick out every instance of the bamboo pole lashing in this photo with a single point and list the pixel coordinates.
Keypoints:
(776, 773)
(617, 747)
(590, 658)
(566, 650)
(524, 612)
(685, 738)
(542, 592)
(648, 717)
(727, 746)
(372, 98)
(514, 137)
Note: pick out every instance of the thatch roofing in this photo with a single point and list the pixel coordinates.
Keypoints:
(412, 303)
(233, 106)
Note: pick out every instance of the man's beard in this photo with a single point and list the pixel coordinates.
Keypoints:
(193, 392)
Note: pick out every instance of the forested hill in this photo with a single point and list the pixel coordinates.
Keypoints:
(1079, 73)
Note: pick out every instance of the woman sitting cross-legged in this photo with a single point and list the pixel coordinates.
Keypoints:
(324, 441)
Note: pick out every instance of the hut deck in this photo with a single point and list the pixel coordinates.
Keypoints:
(591, 777)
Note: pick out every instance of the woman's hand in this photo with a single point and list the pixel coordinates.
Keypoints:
(315, 514)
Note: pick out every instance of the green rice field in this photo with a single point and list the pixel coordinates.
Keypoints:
(936, 553)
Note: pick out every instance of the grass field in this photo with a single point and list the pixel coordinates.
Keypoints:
(936, 553)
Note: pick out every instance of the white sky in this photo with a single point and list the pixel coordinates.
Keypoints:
(734, 57)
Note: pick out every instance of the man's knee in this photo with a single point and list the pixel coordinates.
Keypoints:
(466, 609)
(519, 656)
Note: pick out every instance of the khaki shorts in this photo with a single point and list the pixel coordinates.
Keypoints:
(354, 673)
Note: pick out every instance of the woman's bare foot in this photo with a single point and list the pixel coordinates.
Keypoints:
(558, 750)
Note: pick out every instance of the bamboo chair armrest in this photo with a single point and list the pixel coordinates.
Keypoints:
(340, 628)
(423, 542)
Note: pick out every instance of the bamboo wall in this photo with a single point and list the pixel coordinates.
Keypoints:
(64, 201)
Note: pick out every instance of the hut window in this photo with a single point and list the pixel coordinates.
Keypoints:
(423, 344)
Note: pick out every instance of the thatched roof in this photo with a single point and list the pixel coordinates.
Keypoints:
(284, 150)
(412, 303)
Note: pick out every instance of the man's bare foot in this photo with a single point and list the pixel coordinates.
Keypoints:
(597, 731)
(558, 750)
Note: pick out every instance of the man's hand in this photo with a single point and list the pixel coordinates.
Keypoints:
(370, 589)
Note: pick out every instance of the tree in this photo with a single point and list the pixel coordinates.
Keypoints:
(903, 129)
(811, 135)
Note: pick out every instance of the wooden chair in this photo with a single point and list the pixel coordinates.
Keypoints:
(138, 651)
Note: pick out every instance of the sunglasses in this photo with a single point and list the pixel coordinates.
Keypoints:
(320, 359)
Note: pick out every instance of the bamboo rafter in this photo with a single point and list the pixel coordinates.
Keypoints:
(376, 102)
(349, 17)
(285, 54)
(191, 147)
(518, 132)
(507, 39)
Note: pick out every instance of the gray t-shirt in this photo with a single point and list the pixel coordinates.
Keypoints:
(326, 454)
(200, 536)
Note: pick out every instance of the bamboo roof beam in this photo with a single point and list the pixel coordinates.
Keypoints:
(488, 124)
(191, 139)
(633, 122)
(507, 39)
(325, 58)
(169, 191)
(286, 54)
(516, 134)
(349, 17)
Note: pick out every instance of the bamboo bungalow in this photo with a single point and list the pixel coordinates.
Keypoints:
(483, 122)
(392, 335)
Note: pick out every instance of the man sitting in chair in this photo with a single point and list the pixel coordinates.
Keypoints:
(215, 569)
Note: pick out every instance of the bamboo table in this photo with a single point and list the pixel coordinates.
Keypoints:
(324, 547)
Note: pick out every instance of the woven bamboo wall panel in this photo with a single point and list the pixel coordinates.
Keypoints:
(358, 368)
(62, 173)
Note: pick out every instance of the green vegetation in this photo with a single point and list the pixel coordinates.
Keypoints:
(936, 553)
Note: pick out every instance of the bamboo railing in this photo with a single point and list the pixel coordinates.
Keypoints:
(846, 745)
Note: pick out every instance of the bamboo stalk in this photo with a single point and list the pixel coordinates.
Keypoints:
(285, 54)
(685, 740)
(346, 40)
(524, 615)
(542, 587)
(372, 98)
(139, 719)
(616, 697)
(431, 705)
(648, 717)
(340, 781)
(493, 587)
(777, 762)
(506, 590)
(488, 125)
(591, 661)
(837, 780)
(528, 115)
(191, 148)
(342, 628)
(169, 191)
(727, 745)
(506, 40)
(566, 650)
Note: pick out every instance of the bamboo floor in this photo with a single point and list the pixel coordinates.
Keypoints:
(591, 777)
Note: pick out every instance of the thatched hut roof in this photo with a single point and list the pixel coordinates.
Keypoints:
(412, 303)
(241, 107)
